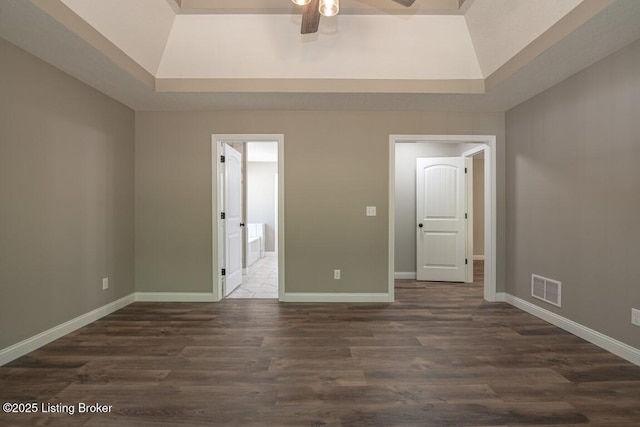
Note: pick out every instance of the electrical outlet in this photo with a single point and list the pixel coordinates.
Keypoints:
(635, 316)
(336, 274)
(371, 211)
(105, 283)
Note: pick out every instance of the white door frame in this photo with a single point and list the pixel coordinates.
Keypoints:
(490, 206)
(217, 244)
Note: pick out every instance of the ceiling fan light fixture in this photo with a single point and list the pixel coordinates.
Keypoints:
(301, 2)
(329, 7)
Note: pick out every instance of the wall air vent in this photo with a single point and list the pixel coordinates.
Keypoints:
(547, 290)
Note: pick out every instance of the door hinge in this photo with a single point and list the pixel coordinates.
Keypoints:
(465, 216)
(222, 158)
(465, 170)
(222, 215)
(466, 261)
(224, 272)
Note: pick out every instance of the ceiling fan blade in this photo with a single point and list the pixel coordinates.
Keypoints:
(310, 17)
(405, 3)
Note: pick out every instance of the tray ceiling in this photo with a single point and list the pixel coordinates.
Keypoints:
(441, 50)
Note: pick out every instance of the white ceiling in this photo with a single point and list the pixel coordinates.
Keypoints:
(360, 47)
(488, 55)
(359, 7)
(140, 28)
(502, 28)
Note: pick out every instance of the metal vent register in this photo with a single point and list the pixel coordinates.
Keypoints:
(547, 290)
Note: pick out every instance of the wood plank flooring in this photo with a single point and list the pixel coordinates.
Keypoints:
(438, 356)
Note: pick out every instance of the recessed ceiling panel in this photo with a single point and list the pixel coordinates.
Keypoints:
(346, 7)
(346, 47)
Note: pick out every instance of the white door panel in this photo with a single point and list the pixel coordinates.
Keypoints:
(441, 249)
(440, 184)
(441, 224)
(233, 218)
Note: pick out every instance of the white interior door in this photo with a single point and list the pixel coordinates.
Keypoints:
(233, 218)
(441, 225)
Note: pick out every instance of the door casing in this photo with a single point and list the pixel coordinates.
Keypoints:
(217, 236)
(488, 144)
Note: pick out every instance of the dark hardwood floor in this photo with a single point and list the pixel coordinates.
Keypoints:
(438, 356)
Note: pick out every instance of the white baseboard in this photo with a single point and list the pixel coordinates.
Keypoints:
(614, 346)
(501, 297)
(411, 275)
(33, 343)
(478, 257)
(335, 297)
(30, 344)
(174, 297)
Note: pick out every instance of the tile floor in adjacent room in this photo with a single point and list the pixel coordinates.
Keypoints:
(261, 281)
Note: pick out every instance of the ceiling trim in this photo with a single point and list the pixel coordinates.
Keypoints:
(471, 86)
(67, 17)
(561, 29)
(348, 7)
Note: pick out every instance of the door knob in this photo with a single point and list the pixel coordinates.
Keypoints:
(420, 225)
(242, 224)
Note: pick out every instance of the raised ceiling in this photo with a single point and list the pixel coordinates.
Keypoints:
(360, 7)
(225, 54)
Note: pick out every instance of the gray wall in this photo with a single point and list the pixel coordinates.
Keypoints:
(573, 194)
(261, 202)
(332, 172)
(66, 194)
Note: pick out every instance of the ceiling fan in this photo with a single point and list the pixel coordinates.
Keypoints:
(312, 9)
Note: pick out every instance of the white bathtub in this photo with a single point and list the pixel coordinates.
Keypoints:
(255, 242)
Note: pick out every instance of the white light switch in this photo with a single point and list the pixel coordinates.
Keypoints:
(371, 211)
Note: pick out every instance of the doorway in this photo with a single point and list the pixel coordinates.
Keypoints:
(262, 219)
(477, 159)
(450, 145)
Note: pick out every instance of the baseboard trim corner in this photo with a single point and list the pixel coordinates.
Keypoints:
(478, 257)
(501, 297)
(336, 297)
(33, 343)
(603, 341)
(175, 297)
(409, 275)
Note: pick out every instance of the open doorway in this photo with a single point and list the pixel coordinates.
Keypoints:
(260, 222)
(260, 267)
(402, 225)
(477, 155)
